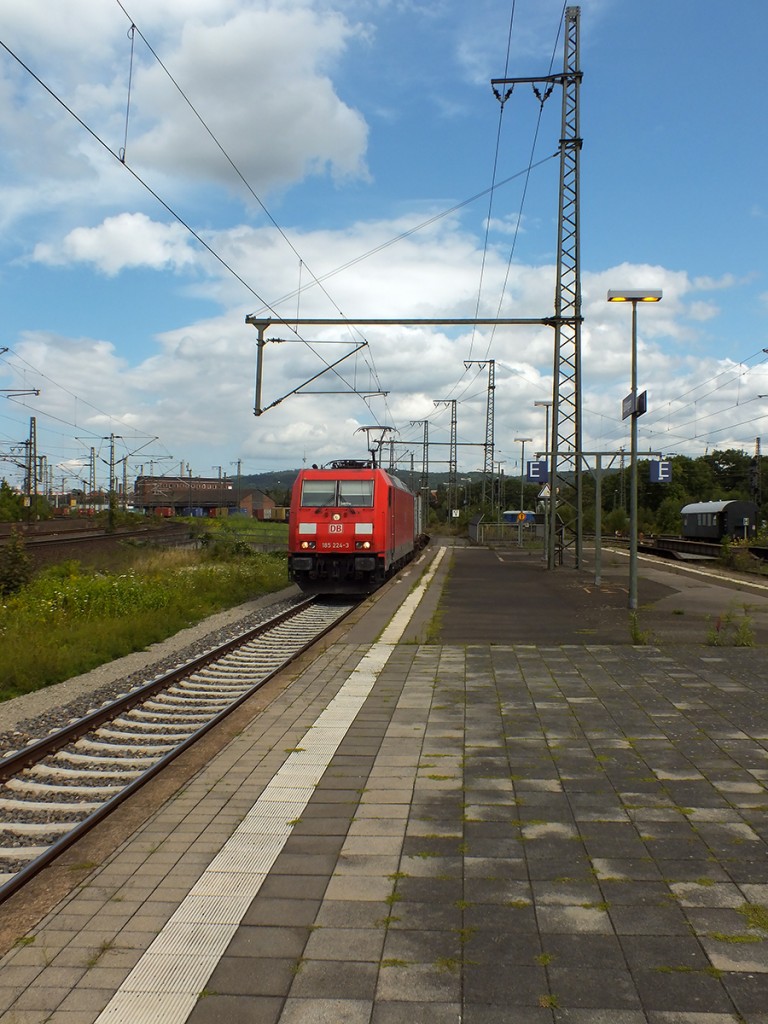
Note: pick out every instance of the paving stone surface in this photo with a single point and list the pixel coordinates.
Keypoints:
(524, 832)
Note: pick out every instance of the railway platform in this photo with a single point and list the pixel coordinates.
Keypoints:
(493, 797)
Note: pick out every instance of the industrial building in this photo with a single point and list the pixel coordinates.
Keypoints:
(200, 496)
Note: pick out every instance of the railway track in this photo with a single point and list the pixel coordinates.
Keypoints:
(56, 789)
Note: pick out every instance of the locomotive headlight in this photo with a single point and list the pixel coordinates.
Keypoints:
(336, 517)
(362, 545)
(307, 545)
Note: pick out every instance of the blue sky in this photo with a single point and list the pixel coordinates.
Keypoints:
(354, 123)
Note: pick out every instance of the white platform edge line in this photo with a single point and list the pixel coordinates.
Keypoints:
(168, 988)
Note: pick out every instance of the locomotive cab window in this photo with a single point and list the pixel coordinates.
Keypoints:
(356, 492)
(325, 493)
(315, 493)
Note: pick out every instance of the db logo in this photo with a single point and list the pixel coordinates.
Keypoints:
(335, 528)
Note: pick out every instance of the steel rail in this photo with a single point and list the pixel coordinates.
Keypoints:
(35, 752)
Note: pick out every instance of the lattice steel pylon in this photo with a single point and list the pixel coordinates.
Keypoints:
(489, 420)
(565, 476)
(451, 496)
(31, 481)
(565, 470)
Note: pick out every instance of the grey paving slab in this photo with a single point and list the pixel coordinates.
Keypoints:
(518, 829)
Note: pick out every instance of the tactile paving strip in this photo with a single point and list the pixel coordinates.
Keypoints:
(164, 986)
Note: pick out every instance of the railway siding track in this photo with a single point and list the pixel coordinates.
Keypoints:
(56, 789)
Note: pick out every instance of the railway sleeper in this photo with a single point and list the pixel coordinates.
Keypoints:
(152, 719)
(48, 770)
(194, 692)
(170, 705)
(214, 683)
(38, 828)
(41, 789)
(118, 749)
(119, 763)
(21, 853)
(82, 809)
(153, 726)
(183, 712)
(163, 742)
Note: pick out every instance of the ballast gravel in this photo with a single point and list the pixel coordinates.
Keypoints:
(32, 716)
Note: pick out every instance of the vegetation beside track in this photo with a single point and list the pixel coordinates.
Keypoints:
(68, 619)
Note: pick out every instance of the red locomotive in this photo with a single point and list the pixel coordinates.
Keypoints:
(351, 527)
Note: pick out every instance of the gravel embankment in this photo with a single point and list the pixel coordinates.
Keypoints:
(30, 717)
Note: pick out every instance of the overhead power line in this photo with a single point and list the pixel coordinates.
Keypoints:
(166, 206)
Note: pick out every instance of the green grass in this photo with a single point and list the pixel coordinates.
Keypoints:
(756, 915)
(70, 619)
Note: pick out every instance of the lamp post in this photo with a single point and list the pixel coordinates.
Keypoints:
(546, 404)
(522, 441)
(500, 491)
(633, 296)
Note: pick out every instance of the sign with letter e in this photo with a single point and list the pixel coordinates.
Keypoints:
(538, 472)
(661, 472)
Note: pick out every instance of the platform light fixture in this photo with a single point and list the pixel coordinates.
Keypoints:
(522, 441)
(634, 296)
(546, 404)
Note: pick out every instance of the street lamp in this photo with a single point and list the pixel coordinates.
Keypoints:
(500, 492)
(546, 404)
(522, 441)
(633, 296)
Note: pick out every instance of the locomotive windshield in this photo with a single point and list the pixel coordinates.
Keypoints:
(321, 493)
(356, 492)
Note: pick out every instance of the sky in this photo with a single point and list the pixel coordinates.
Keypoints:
(170, 167)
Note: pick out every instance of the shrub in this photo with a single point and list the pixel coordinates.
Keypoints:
(15, 565)
(69, 620)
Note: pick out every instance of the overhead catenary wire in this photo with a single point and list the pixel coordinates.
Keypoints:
(305, 284)
(137, 177)
(302, 263)
(526, 174)
(251, 191)
(152, 192)
(318, 281)
(132, 35)
(121, 155)
(494, 172)
(730, 370)
(433, 219)
(44, 414)
(674, 432)
(542, 98)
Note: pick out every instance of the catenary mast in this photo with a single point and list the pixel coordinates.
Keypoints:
(565, 476)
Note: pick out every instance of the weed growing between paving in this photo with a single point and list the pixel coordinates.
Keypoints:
(728, 630)
(70, 619)
(640, 637)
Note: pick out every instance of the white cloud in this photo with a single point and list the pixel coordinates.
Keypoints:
(195, 391)
(261, 78)
(269, 78)
(702, 311)
(121, 242)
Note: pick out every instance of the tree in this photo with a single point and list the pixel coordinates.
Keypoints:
(731, 472)
(10, 504)
(668, 519)
(15, 564)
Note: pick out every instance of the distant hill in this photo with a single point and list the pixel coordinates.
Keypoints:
(282, 480)
(278, 480)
